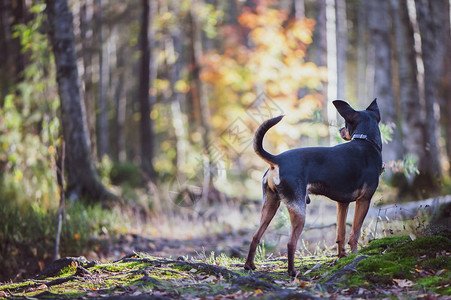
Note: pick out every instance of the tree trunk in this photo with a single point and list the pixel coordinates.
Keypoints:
(446, 92)
(361, 53)
(147, 136)
(379, 25)
(179, 121)
(83, 181)
(5, 45)
(431, 17)
(297, 10)
(319, 48)
(331, 32)
(200, 96)
(86, 31)
(121, 107)
(342, 45)
(409, 94)
(102, 118)
(12, 59)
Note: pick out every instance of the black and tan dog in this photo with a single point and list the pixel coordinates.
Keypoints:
(345, 173)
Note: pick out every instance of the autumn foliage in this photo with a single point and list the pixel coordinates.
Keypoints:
(265, 53)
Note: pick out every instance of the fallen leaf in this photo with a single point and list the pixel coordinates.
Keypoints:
(440, 272)
(42, 287)
(404, 283)
(210, 278)
(303, 284)
(3, 294)
(193, 270)
(258, 291)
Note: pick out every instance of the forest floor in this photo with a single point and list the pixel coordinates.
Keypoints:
(391, 267)
(202, 256)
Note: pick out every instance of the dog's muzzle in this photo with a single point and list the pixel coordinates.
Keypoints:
(345, 134)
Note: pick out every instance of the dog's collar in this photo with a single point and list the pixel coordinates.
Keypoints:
(365, 137)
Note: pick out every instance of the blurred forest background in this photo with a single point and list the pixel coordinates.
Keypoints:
(121, 117)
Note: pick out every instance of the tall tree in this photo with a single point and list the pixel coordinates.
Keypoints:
(446, 89)
(83, 180)
(361, 53)
(5, 45)
(379, 26)
(102, 86)
(342, 46)
(12, 59)
(199, 94)
(409, 93)
(121, 105)
(86, 34)
(178, 117)
(146, 44)
(431, 16)
(319, 47)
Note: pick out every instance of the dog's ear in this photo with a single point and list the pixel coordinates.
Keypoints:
(345, 110)
(374, 108)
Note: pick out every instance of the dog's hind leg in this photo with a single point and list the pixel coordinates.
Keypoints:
(270, 206)
(361, 209)
(342, 212)
(297, 217)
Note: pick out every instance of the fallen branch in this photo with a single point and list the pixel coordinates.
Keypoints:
(337, 276)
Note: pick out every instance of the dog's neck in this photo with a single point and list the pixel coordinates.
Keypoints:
(376, 144)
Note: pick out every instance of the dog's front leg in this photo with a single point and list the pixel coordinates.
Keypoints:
(297, 217)
(269, 209)
(342, 212)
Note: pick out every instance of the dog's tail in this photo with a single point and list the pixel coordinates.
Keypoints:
(258, 140)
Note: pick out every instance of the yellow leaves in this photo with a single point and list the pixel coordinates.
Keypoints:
(182, 86)
(51, 150)
(154, 114)
(18, 175)
(76, 236)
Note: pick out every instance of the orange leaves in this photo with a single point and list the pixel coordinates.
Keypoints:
(275, 59)
(265, 53)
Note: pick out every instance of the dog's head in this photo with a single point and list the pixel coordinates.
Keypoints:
(358, 122)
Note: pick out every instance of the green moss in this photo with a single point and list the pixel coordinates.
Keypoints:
(401, 258)
(436, 263)
(385, 265)
(437, 284)
(387, 243)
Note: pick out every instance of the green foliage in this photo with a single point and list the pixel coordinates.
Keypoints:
(126, 173)
(386, 133)
(105, 167)
(29, 129)
(28, 231)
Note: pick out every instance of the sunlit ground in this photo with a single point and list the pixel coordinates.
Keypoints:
(228, 228)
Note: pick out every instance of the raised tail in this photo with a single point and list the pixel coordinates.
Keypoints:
(258, 140)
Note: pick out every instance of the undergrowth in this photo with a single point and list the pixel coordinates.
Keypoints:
(27, 233)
